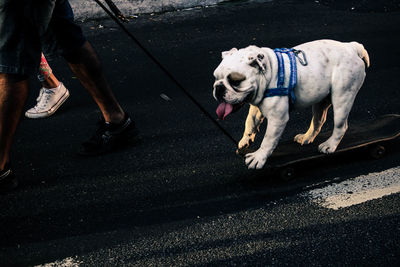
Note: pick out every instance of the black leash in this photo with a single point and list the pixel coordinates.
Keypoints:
(115, 18)
(116, 11)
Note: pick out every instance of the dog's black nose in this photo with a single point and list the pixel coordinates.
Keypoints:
(220, 92)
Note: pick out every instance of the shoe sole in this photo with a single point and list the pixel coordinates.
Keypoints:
(51, 111)
(130, 140)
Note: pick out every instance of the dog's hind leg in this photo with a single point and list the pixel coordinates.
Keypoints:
(342, 102)
(253, 121)
(319, 111)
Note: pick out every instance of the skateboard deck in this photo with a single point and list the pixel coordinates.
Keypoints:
(370, 135)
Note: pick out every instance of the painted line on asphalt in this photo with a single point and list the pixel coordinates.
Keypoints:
(357, 190)
(67, 262)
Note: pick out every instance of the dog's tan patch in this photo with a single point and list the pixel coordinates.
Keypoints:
(235, 78)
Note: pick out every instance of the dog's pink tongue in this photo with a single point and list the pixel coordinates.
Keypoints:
(223, 110)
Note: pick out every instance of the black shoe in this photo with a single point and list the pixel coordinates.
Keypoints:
(8, 181)
(109, 137)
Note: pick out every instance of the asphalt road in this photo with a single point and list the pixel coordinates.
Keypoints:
(181, 196)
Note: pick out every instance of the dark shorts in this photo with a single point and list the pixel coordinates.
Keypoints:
(29, 27)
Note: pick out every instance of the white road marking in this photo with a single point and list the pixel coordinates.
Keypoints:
(68, 262)
(357, 190)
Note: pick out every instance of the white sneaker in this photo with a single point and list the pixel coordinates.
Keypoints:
(48, 101)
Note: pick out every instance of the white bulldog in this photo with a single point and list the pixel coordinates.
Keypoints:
(333, 76)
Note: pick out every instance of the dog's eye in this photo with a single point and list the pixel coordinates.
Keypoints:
(235, 79)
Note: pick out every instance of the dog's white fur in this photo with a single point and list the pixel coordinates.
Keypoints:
(333, 77)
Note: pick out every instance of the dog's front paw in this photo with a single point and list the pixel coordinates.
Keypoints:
(256, 160)
(246, 141)
(327, 147)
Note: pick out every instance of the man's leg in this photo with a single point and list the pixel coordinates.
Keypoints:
(89, 71)
(117, 129)
(13, 94)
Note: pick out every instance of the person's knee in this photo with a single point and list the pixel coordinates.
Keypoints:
(87, 57)
(78, 54)
(72, 56)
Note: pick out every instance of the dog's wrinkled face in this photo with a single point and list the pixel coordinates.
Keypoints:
(237, 78)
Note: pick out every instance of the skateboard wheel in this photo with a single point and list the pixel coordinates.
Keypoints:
(377, 151)
(287, 173)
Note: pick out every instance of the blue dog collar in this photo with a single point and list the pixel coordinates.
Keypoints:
(280, 90)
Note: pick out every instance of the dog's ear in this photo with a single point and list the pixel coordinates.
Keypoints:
(257, 61)
(228, 53)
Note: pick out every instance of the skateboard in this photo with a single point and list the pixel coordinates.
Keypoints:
(371, 138)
